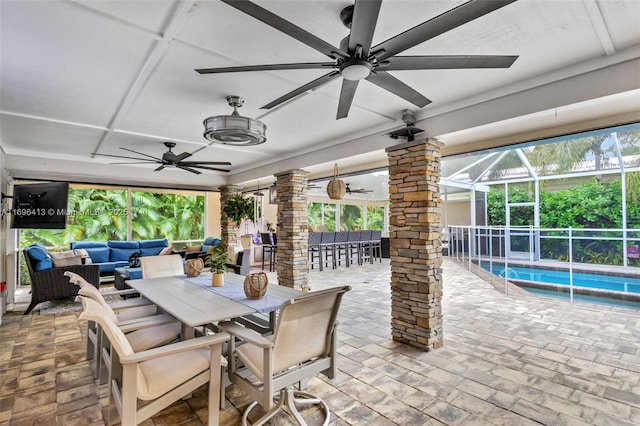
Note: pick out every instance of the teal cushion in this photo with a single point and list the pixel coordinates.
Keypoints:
(121, 254)
(40, 256)
(98, 254)
(210, 241)
(98, 250)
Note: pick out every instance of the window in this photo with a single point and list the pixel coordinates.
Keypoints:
(101, 214)
(322, 217)
(350, 218)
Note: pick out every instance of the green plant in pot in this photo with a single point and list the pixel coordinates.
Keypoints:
(238, 208)
(217, 260)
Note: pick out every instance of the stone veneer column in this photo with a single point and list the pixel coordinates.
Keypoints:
(229, 231)
(292, 229)
(415, 243)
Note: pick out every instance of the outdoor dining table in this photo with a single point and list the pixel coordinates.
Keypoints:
(195, 303)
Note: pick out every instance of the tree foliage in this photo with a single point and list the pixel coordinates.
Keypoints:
(587, 206)
(101, 215)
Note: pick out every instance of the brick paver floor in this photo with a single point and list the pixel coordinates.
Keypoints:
(507, 360)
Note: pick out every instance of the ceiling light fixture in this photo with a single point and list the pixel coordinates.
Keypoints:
(234, 129)
(356, 69)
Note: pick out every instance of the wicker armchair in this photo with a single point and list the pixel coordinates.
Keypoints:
(51, 284)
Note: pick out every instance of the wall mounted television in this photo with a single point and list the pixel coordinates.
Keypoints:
(40, 205)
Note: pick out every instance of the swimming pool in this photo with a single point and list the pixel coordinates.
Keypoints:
(599, 300)
(580, 279)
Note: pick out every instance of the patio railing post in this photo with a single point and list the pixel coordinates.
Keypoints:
(571, 265)
(469, 240)
(506, 262)
(491, 254)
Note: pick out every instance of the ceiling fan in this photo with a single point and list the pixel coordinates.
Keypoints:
(170, 159)
(356, 59)
(357, 190)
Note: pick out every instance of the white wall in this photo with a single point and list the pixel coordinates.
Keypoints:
(4, 224)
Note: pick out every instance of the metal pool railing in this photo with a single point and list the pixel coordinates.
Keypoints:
(608, 251)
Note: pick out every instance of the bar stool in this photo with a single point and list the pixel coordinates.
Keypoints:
(269, 246)
(327, 246)
(353, 247)
(365, 247)
(376, 245)
(313, 248)
(341, 245)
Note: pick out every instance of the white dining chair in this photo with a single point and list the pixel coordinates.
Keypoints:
(151, 329)
(161, 266)
(303, 344)
(159, 376)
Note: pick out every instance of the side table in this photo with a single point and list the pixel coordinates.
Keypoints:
(126, 273)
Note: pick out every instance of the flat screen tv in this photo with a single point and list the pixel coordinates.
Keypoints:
(40, 205)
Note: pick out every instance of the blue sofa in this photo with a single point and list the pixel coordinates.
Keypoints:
(109, 255)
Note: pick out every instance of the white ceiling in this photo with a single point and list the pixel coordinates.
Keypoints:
(85, 77)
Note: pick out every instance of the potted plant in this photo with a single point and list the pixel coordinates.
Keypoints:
(217, 260)
(238, 208)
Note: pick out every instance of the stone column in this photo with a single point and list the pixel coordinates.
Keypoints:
(229, 231)
(415, 243)
(292, 229)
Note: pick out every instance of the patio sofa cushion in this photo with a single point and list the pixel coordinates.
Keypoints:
(98, 250)
(40, 256)
(210, 242)
(122, 250)
(109, 255)
(65, 258)
(153, 247)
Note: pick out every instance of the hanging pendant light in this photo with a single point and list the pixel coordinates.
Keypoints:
(336, 188)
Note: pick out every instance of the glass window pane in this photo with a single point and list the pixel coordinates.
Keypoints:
(322, 217)
(375, 218)
(350, 218)
(176, 217)
(329, 217)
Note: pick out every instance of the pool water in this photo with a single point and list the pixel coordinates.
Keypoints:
(583, 298)
(580, 279)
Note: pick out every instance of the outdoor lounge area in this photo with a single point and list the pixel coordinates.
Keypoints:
(506, 360)
(383, 165)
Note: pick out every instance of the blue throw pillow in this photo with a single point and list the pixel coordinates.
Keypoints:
(212, 241)
(40, 256)
(209, 242)
(98, 254)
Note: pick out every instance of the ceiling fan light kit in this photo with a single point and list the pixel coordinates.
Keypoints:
(234, 129)
(355, 69)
